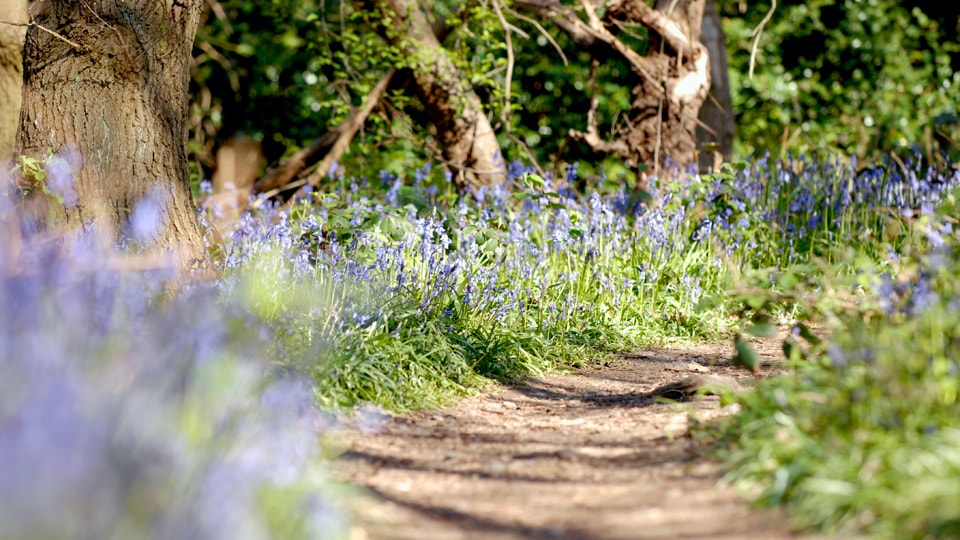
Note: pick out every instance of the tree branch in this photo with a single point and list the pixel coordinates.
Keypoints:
(592, 136)
(349, 129)
(280, 176)
(667, 28)
(325, 150)
(45, 29)
(543, 31)
(589, 36)
(564, 18)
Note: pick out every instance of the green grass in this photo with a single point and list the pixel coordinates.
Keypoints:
(411, 305)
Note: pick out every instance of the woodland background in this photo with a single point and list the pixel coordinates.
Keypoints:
(830, 77)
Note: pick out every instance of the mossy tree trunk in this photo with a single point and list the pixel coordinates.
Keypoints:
(467, 139)
(108, 94)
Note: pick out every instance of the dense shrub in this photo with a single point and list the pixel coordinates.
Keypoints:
(849, 77)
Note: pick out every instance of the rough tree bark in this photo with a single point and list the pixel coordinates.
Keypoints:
(467, 139)
(108, 94)
(11, 72)
(716, 145)
(663, 115)
(673, 77)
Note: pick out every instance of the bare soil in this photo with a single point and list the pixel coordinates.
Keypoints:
(592, 454)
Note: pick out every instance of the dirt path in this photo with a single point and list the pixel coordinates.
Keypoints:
(586, 455)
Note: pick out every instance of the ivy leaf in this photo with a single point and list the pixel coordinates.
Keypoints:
(532, 180)
(762, 330)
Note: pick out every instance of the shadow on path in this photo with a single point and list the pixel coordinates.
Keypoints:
(591, 455)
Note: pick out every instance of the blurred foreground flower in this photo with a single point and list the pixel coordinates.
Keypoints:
(126, 412)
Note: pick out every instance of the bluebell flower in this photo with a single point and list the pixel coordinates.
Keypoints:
(60, 169)
(572, 172)
(480, 195)
(838, 358)
(146, 219)
(421, 173)
(922, 296)
(100, 383)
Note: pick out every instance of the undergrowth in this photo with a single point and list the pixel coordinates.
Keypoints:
(862, 435)
(402, 293)
(436, 293)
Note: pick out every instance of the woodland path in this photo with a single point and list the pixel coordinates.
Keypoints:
(586, 455)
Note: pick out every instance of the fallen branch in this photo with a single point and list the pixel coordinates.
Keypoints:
(349, 129)
(326, 150)
(281, 176)
(592, 135)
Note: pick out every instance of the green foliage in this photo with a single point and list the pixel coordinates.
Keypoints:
(830, 77)
(308, 63)
(426, 294)
(33, 175)
(862, 434)
(859, 78)
(49, 178)
(410, 303)
(405, 295)
(30, 169)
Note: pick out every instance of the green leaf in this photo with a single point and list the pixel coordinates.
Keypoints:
(532, 180)
(746, 356)
(755, 301)
(789, 280)
(792, 350)
(808, 335)
(708, 302)
(639, 195)
(762, 330)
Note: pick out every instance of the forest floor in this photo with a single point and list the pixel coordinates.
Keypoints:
(592, 454)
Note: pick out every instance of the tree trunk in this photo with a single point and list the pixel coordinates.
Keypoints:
(717, 110)
(11, 73)
(108, 95)
(467, 139)
(673, 77)
(667, 101)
